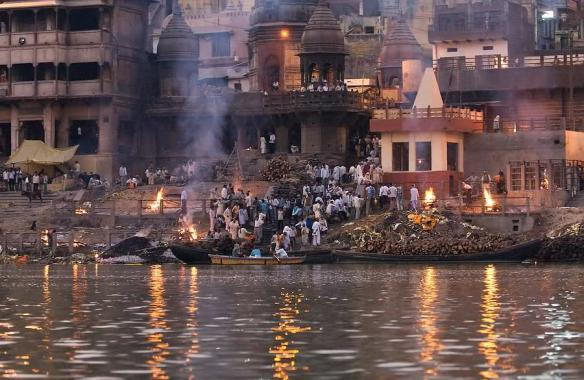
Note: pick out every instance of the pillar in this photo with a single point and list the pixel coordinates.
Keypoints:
(14, 129)
(107, 130)
(282, 139)
(63, 130)
(49, 124)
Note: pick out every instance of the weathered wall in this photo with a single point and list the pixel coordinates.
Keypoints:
(493, 151)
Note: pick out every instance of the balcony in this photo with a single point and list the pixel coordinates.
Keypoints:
(526, 73)
(89, 88)
(468, 32)
(22, 89)
(51, 88)
(86, 37)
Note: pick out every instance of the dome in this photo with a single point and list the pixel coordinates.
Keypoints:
(399, 44)
(177, 41)
(323, 33)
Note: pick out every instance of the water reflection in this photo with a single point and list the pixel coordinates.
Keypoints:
(192, 319)
(431, 345)
(284, 350)
(490, 307)
(157, 323)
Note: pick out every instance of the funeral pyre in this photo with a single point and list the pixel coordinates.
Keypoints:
(425, 233)
(564, 244)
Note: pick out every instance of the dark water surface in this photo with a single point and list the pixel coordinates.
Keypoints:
(326, 322)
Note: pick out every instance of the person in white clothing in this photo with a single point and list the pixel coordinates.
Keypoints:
(183, 201)
(414, 196)
(316, 233)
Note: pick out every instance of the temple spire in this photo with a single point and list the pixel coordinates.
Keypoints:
(176, 8)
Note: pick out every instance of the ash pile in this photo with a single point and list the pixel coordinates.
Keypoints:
(427, 233)
(137, 249)
(564, 244)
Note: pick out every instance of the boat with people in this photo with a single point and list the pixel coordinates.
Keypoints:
(263, 260)
(513, 254)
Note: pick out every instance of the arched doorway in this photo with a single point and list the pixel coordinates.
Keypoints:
(295, 136)
(272, 71)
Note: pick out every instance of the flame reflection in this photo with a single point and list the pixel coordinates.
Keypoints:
(192, 324)
(428, 294)
(284, 353)
(157, 315)
(490, 307)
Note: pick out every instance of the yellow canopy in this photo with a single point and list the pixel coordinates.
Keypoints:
(37, 152)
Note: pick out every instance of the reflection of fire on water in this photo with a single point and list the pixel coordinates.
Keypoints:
(429, 197)
(284, 355)
(490, 204)
(428, 315)
(157, 204)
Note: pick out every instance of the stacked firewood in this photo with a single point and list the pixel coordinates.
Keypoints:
(566, 244)
(276, 169)
(433, 234)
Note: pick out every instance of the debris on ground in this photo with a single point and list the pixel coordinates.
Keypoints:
(426, 233)
(137, 249)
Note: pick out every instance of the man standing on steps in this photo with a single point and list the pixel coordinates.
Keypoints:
(272, 142)
(36, 180)
(316, 233)
(183, 201)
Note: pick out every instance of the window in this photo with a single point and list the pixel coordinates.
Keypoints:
(401, 157)
(83, 71)
(369, 30)
(23, 72)
(84, 19)
(452, 156)
(487, 47)
(423, 156)
(530, 176)
(84, 133)
(32, 130)
(221, 45)
(452, 50)
(237, 86)
(515, 169)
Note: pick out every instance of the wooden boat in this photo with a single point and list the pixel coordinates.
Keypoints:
(189, 254)
(230, 260)
(513, 254)
(313, 256)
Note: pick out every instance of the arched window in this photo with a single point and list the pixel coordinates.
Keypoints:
(271, 70)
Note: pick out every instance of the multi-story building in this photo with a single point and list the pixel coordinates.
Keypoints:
(70, 75)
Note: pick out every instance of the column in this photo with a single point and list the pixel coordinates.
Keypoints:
(107, 130)
(14, 129)
(311, 135)
(49, 124)
(282, 143)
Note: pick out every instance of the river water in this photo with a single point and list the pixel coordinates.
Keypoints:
(326, 322)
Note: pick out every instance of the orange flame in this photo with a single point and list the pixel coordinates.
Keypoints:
(155, 206)
(81, 211)
(429, 197)
(489, 201)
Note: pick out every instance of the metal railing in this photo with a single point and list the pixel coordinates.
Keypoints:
(444, 112)
(497, 62)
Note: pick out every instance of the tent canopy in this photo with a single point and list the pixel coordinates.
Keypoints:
(39, 153)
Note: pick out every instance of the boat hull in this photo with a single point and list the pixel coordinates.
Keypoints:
(190, 255)
(516, 253)
(313, 256)
(230, 260)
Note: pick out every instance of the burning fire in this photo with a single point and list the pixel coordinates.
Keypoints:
(189, 233)
(45, 238)
(489, 201)
(429, 197)
(80, 211)
(155, 206)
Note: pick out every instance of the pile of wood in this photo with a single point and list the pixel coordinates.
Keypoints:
(565, 244)
(276, 169)
(402, 234)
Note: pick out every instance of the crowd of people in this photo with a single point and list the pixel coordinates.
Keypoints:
(14, 179)
(334, 194)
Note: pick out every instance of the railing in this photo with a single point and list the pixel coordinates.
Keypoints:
(308, 99)
(536, 124)
(71, 240)
(497, 62)
(140, 208)
(444, 112)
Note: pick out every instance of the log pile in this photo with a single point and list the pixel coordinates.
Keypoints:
(276, 169)
(565, 244)
(402, 233)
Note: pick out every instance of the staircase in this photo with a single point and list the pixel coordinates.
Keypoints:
(13, 204)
